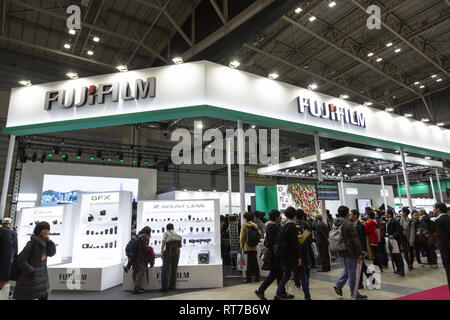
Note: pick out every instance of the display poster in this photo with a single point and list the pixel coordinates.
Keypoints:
(284, 198)
(327, 190)
(363, 204)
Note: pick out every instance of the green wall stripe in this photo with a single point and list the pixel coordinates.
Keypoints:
(214, 112)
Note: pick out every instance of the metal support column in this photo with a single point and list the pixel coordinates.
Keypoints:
(320, 175)
(241, 162)
(399, 191)
(343, 193)
(441, 197)
(432, 189)
(405, 176)
(9, 157)
(230, 202)
(384, 194)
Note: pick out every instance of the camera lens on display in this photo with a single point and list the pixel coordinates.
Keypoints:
(209, 229)
(203, 229)
(189, 217)
(192, 229)
(162, 229)
(106, 231)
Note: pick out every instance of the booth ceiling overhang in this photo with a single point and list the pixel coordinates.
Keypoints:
(205, 89)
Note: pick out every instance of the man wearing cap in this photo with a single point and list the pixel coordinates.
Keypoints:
(8, 250)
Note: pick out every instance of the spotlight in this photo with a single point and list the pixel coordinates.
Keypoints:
(312, 86)
(72, 31)
(26, 83)
(439, 80)
(422, 87)
(178, 60)
(368, 103)
(234, 64)
(355, 160)
(379, 60)
(312, 18)
(67, 46)
(96, 39)
(389, 109)
(122, 68)
(332, 4)
(398, 50)
(90, 52)
(379, 150)
(344, 96)
(72, 75)
(390, 44)
(370, 54)
(298, 10)
(417, 83)
(273, 76)
(440, 124)
(434, 76)
(408, 115)
(425, 120)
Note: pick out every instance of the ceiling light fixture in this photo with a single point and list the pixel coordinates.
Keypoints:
(439, 80)
(234, 64)
(379, 150)
(72, 31)
(90, 52)
(122, 68)
(427, 158)
(425, 120)
(312, 18)
(96, 39)
(298, 10)
(273, 76)
(440, 124)
(417, 83)
(354, 160)
(368, 103)
(408, 115)
(332, 4)
(26, 83)
(67, 46)
(422, 87)
(389, 109)
(390, 44)
(72, 75)
(379, 60)
(434, 76)
(344, 96)
(370, 54)
(177, 60)
(312, 86)
(398, 50)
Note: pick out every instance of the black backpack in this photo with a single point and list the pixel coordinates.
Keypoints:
(132, 248)
(280, 248)
(253, 237)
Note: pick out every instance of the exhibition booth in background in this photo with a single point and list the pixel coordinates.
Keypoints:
(100, 221)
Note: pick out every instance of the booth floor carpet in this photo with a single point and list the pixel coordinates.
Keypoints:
(321, 287)
(439, 293)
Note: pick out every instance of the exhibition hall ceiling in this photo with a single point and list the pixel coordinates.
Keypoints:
(405, 63)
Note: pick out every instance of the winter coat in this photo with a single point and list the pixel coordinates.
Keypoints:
(393, 228)
(362, 234)
(8, 250)
(33, 282)
(271, 238)
(371, 231)
(409, 229)
(261, 226)
(244, 235)
(351, 238)
(293, 248)
(320, 232)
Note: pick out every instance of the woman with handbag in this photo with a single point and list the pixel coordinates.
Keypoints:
(33, 282)
(374, 234)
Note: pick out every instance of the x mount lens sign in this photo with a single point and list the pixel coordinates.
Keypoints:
(96, 94)
(330, 111)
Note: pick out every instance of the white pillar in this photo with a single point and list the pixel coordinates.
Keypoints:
(343, 193)
(230, 202)
(399, 191)
(441, 197)
(405, 175)
(432, 189)
(241, 161)
(9, 157)
(320, 175)
(384, 194)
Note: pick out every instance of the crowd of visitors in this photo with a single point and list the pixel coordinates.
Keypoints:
(294, 243)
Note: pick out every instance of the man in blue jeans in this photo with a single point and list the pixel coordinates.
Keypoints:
(350, 255)
(291, 259)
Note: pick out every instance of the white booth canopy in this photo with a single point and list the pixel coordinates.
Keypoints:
(205, 89)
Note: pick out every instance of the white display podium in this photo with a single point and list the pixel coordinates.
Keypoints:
(59, 219)
(101, 228)
(198, 223)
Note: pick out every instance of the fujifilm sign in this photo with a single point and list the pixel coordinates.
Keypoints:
(96, 94)
(331, 112)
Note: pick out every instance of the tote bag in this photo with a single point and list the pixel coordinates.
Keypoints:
(241, 264)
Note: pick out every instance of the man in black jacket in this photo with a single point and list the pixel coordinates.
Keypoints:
(394, 231)
(428, 227)
(321, 236)
(361, 230)
(350, 255)
(276, 273)
(291, 258)
(442, 225)
(8, 250)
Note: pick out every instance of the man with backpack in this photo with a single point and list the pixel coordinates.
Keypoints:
(249, 240)
(272, 260)
(289, 250)
(345, 241)
(140, 254)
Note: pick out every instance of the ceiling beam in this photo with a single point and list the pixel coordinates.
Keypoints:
(227, 28)
(84, 24)
(219, 12)
(301, 27)
(301, 69)
(356, 3)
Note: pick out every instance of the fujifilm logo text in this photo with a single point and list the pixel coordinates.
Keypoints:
(91, 95)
